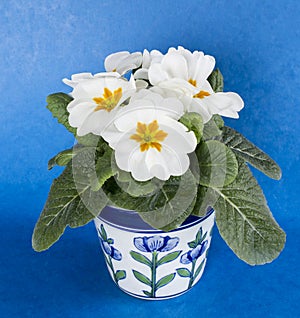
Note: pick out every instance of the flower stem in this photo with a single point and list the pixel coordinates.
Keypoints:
(110, 264)
(192, 274)
(153, 273)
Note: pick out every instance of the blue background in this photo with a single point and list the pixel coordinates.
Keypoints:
(256, 45)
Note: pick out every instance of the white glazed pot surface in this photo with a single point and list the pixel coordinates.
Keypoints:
(149, 263)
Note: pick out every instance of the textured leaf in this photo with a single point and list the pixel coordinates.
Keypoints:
(198, 270)
(168, 258)
(104, 168)
(120, 274)
(136, 188)
(57, 104)
(194, 122)
(70, 203)
(166, 209)
(215, 80)
(141, 277)
(90, 140)
(245, 221)
(218, 164)
(250, 153)
(140, 258)
(212, 129)
(205, 199)
(164, 281)
(61, 159)
(183, 272)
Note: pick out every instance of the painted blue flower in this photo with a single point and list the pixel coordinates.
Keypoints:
(193, 254)
(110, 250)
(155, 243)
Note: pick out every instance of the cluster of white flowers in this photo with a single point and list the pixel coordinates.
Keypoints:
(139, 117)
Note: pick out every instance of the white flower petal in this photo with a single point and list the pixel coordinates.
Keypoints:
(175, 65)
(122, 62)
(224, 104)
(204, 67)
(157, 74)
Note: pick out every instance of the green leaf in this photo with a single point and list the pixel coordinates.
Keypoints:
(218, 164)
(245, 221)
(183, 272)
(61, 159)
(198, 236)
(136, 188)
(215, 80)
(205, 199)
(140, 258)
(194, 122)
(103, 232)
(168, 258)
(166, 209)
(198, 270)
(57, 104)
(192, 244)
(148, 294)
(212, 129)
(164, 281)
(141, 277)
(250, 153)
(90, 140)
(70, 203)
(104, 168)
(120, 274)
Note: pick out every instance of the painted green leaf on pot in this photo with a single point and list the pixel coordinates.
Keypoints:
(140, 258)
(71, 202)
(198, 270)
(141, 277)
(168, 258)
(218, 164)
(245, 221)
(148, 294)
(164, 281)
(183, 272)
(250, 153)
(194, 122)
(216, 81)
(120, 274)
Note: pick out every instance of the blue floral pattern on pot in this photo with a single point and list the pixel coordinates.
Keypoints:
(111, 253)
(154, 245)
(198, 248)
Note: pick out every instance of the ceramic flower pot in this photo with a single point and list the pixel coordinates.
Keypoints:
(151, 264)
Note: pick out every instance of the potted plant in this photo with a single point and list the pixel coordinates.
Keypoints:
(153, 155)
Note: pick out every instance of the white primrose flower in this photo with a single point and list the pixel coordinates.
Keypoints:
(122, 62)
(97, 100)
(148, 58)
(148, 140)
(186, 73)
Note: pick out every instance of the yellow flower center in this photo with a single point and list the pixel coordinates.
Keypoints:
(193, 82)
(149, 136)
(109, 99)
(201, 94)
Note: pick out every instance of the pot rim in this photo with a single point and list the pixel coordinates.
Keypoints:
(108, 219)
